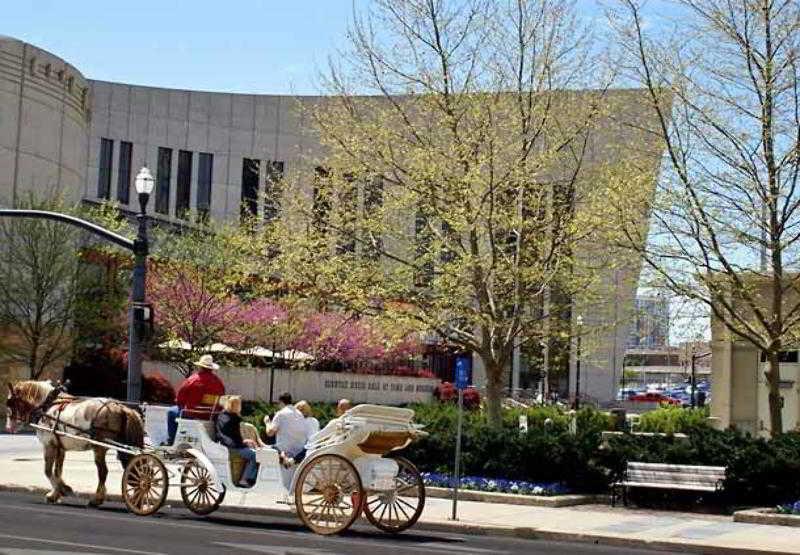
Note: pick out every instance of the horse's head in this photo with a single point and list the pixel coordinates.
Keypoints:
(23, 399)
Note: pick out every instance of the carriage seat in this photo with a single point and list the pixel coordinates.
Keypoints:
(237, 463)
(210, 406)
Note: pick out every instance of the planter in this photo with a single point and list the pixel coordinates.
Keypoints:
(766, 516)
(568, 500)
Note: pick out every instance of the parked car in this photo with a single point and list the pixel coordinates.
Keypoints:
(654, 397)
(625, 394)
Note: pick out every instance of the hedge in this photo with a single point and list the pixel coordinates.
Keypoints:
(760, 471)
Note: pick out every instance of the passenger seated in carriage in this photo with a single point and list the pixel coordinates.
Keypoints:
(229, 433)
(197, 396)
(289, 428)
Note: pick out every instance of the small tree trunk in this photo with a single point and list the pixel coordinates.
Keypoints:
(494, 393)
(773, 382)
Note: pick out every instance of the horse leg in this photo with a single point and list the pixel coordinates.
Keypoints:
(102, 474)
(63, 488)
(49, 459)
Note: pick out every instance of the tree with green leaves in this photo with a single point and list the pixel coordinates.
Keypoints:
(454, 197)
(722, 85)
(38, 284)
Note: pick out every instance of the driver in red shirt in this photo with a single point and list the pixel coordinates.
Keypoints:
(191, 393)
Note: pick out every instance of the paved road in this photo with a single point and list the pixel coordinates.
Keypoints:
(32, 527)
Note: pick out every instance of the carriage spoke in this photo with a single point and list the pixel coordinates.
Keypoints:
(399, 508)
(407, 504)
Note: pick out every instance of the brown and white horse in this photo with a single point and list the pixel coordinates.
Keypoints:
(101, 419)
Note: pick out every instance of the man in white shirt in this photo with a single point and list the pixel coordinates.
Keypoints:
(289, 428)
(312, 424)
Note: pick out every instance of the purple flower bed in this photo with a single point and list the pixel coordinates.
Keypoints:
(477, 483)
(789, 508)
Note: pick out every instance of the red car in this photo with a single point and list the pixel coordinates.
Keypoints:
(654, 397)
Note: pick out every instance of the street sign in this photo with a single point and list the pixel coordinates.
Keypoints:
(463, 371)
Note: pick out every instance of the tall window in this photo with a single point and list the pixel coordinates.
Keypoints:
(373, 201)
(250, 172)
(163, 177)
(205, 171)
(273, 191)
(348, 212)
(424, 274)
(321, 201)
(124, 176)
(104, 169)
(184, 193)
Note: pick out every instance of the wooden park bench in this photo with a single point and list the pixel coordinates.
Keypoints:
(668, 476)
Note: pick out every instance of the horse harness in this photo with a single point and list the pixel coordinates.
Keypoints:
(54, 399)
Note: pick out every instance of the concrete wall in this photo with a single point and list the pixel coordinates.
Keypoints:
(44, 114)
(231, 127)
(253, 384)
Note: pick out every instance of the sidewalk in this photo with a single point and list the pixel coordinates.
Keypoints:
(676, 531)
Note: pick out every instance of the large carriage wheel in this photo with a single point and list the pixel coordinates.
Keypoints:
(397, 510)
(328, 494)
(144, 484)
(199, 492)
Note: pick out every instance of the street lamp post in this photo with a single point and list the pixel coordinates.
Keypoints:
(144, 187)
(693, 378)
(579, 323)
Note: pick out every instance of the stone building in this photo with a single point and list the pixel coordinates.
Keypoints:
(739, 391)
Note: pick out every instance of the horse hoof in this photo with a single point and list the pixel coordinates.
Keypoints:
(94, 503)
(51, 500)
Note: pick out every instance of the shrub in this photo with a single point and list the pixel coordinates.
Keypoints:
(472, 399)
(156, 388)
(98, 372)
(445, 392)
(543, 454)
(760, 471)
(673, 420)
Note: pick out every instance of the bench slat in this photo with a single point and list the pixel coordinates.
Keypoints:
(689, 487)
(673, 476)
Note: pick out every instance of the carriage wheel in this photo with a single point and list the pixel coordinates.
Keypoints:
(397, 510)
(144, 484)
(199, 492)
(328, 494)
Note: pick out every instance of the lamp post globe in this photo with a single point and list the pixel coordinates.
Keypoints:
(144, 184)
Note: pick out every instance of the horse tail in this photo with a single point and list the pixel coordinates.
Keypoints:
(132, 432)
(133, 428)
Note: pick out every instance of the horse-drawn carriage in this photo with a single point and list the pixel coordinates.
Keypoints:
(349, 468)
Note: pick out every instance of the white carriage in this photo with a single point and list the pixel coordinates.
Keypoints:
(349, 468)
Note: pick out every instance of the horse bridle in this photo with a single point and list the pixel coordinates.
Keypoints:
(26, 412)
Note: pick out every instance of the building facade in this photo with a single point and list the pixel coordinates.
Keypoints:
(215, 155)
(650, 328)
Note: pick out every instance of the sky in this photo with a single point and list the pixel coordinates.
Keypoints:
(248, 46)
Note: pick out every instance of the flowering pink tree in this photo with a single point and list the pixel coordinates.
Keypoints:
(197, 307)
(334, 336)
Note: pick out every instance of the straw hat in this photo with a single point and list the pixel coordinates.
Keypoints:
(207, 362)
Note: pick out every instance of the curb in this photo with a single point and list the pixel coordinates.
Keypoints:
(551, 501)
(520, 532)
(766, 516)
